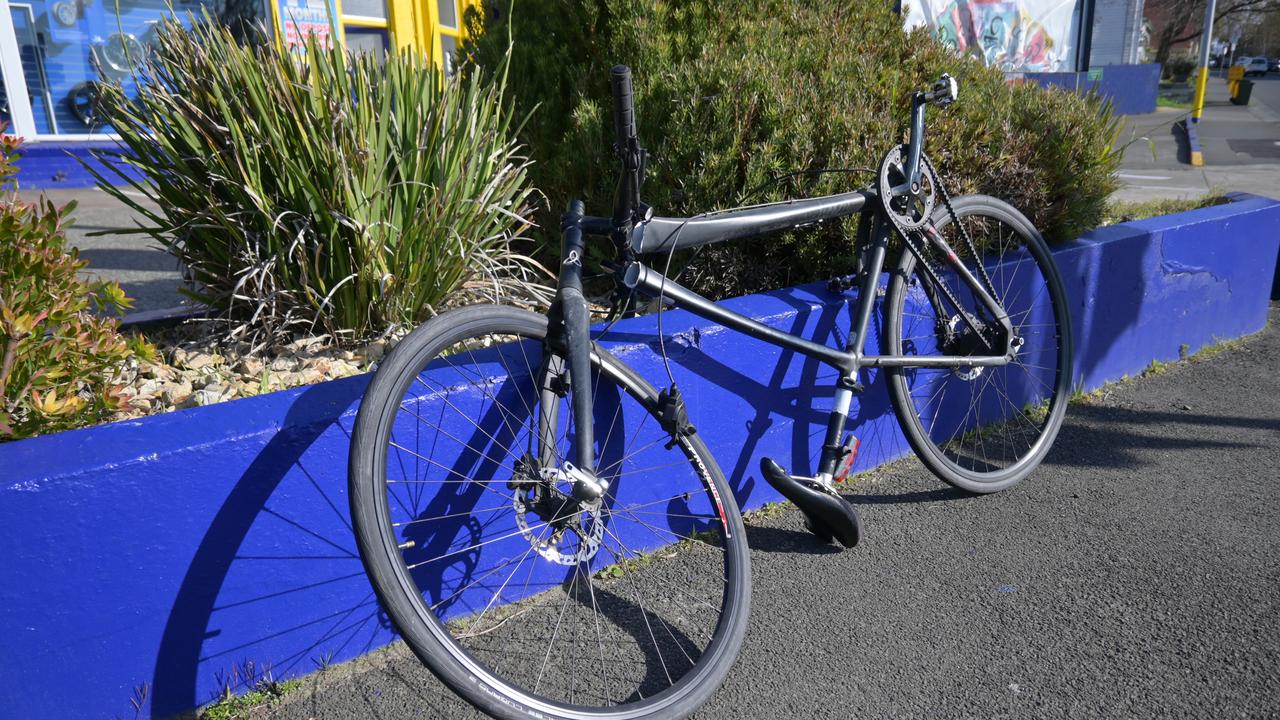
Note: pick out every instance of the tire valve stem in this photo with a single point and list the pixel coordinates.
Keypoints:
(407, 544)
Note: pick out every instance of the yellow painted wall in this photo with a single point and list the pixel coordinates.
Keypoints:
(413, 24)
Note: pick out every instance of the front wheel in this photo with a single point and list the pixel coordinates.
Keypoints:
(981, 429)
(524, 601)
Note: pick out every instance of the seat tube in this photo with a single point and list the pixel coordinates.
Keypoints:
(848, 384)
(577, 329)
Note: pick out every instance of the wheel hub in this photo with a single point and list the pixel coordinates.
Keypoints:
(962, 340)
(562, 529)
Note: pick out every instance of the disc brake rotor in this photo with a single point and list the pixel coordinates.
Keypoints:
(913, 206)
(567, 541)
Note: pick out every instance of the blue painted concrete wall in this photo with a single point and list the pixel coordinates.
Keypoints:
(1131, 89)
(57, 164)
(167, 553)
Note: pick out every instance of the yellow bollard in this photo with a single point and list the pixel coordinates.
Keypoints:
(1202, 84)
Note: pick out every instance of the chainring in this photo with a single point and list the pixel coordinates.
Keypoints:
(912, 210)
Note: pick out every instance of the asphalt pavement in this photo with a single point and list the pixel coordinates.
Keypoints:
(1133, 575)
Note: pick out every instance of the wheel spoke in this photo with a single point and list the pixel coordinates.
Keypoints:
(587, 605)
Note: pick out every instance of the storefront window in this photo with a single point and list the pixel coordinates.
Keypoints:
(68, 48)
(365, 8)
(449, 13)
(368, 40)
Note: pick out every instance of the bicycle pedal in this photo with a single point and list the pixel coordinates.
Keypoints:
(822, 507)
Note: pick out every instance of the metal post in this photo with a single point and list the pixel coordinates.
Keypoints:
(1084, 44)
(1202, 79)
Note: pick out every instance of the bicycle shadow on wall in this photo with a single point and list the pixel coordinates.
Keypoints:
(774, 385)
(278, 556)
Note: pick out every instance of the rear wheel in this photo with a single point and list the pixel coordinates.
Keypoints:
(523, 601)
(981, 429)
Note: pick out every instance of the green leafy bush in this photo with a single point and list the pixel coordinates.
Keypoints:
(327, 192)
(1177, 69)
(57, 357)
(730, 95)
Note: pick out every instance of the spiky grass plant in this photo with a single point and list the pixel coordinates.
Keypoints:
(319, 190)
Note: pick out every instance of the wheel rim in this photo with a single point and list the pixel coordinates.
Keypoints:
(571, 611)
(987, 425)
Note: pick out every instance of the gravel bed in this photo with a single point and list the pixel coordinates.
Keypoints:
(192, 370)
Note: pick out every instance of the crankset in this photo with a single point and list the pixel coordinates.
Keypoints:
(908, 204)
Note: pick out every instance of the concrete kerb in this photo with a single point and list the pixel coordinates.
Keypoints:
(168, 551)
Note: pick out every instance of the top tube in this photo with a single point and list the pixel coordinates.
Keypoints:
(660, 234)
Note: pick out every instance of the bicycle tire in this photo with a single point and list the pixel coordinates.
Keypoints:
(454, 653)
(1017, 414)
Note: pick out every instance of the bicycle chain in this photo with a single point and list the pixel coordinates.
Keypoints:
(911, 236)
(964, 232)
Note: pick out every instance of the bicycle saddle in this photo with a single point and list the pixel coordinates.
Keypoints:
(829, 516)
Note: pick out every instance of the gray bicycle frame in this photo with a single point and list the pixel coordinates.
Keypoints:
(659, 234)
(634, 231)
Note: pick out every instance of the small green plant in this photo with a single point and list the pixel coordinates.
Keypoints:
(57, 355)
(1123, 211)
(138, 698)
(327, 191)
(237, 707)
(1219, 347)
(259, 679)
(1156, 367)
(324, 661)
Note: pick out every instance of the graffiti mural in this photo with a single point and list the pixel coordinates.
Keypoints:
(1013, 35)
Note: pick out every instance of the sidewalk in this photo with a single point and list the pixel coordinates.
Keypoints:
(146, 272)
(1241, 147)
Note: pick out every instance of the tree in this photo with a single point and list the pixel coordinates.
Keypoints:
(1178, 21)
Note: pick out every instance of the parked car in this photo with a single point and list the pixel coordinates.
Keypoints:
(1253, 66)
(1273, 65)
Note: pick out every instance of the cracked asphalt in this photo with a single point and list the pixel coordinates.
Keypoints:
(1133, 575)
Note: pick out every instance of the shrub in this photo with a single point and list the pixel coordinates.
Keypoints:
(58, 357)
(322, 191)
(730, 95)
(1177, 69)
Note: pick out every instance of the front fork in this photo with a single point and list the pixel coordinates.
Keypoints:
(569, 336)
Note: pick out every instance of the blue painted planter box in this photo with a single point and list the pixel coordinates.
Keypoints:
(1132, 89)
(49, 164)
(168, 552)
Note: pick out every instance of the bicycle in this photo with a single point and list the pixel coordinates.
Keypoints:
(547, 530)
